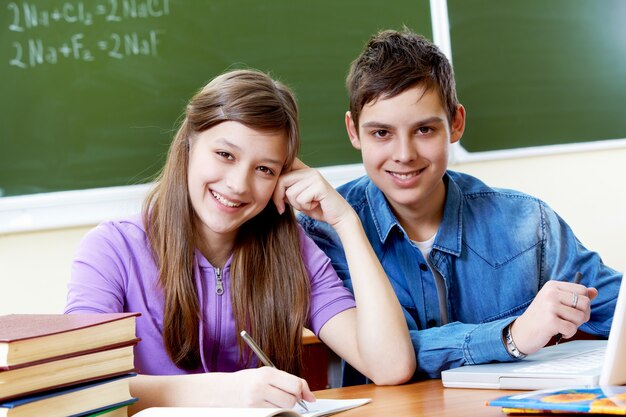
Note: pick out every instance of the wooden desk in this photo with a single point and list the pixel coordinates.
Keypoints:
(309, 338)
(425, 398)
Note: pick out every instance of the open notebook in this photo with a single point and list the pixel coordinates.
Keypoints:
(582, 363)
(319, 408)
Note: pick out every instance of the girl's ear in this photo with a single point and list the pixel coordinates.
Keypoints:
(353, 131)
(458, 124)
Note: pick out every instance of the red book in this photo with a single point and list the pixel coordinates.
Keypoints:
(26, 339)
(43, 351)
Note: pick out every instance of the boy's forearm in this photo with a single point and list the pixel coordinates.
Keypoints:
(457, 344)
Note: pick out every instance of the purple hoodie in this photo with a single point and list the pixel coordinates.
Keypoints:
(114, 271)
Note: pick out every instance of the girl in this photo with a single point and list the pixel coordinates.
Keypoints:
(217, 250)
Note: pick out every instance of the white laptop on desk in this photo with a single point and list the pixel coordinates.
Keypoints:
(582, 363)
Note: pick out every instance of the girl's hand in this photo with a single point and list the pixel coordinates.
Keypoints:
(265, 387)
(260, 387)
(306, 190)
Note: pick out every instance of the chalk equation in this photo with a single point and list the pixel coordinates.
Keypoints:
(25, 15)
(31, 45)
(35, 51)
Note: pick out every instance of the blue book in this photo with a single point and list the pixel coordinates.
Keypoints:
(596, 400)
(108, 411)
(76, 400)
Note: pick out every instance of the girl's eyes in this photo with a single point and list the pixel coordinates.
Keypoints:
(266, 170)
(228, 156)
(225, 155)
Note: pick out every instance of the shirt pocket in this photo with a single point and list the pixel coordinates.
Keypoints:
(497, 253)
(510, 227)
(484, 292)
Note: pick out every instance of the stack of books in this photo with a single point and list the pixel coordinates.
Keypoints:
(66, 365)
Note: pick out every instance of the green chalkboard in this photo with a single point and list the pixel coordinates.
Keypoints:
(92, 90)
(537, 72)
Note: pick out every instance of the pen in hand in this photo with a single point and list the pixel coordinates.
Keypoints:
(264, 359)
(577, 280)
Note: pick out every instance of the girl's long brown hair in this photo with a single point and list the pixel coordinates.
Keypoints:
(269, 282)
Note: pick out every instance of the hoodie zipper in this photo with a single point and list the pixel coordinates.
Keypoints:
(219, 286)
(219, 290)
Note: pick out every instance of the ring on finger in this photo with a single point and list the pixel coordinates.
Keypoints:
(574, 299)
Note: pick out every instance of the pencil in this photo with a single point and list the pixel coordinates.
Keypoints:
(264, 359)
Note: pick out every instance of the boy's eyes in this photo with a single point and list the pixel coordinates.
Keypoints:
(380, 133)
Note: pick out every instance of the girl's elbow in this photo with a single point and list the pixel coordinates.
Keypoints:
(399, 373)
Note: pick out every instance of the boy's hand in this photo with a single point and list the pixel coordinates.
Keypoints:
(552, 312)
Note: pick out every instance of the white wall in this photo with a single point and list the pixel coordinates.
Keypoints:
(34, 270)
(586, 189)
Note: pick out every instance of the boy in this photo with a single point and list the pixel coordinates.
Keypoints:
(482, 273)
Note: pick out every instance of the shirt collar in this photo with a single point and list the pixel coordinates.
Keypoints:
(450, 231)
(383, 217)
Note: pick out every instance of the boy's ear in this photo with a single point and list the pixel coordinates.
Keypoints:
(353, 131)
(458, 124)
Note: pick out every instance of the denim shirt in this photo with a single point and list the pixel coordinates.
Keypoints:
(495, 249)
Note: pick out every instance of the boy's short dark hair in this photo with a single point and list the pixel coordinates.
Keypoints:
(394, 61)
